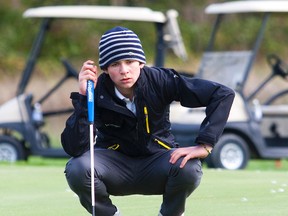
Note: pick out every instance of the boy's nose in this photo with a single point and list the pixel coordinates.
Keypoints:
(123, 68)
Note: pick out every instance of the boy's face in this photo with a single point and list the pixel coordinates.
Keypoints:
(124, 73)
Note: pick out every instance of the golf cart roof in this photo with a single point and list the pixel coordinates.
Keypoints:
(275, 6)
(168, 32)
(118, 13)
(97, 12)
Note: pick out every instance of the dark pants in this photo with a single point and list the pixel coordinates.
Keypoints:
(117, 174)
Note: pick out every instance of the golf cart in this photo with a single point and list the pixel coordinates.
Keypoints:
(255, 129)
(22, 118)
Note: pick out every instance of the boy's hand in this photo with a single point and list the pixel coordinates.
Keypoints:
(188, 153)
(87, 72)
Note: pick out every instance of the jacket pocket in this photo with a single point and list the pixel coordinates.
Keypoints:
(114, 147)
(161, 143)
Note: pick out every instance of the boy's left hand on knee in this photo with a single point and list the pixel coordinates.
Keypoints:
(188, 153)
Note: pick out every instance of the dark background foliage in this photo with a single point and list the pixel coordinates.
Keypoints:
(78, 39)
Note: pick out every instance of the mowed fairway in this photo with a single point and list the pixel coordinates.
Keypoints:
(28, 190)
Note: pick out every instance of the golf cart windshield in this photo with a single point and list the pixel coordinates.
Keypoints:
(227, 68)
(231, 68)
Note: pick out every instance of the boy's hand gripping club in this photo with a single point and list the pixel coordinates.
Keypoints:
(90, 105)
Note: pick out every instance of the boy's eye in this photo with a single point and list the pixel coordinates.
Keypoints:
(114, 64)
(117, 63)
(130, 61)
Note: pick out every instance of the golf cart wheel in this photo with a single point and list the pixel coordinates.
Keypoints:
(11, 150)
(231, 152)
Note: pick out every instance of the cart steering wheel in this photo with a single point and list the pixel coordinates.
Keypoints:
(278, 66)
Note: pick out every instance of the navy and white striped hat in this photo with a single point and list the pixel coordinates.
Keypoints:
(117, 44)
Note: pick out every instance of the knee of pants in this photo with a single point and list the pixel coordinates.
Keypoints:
(78, 173)
(191, 173)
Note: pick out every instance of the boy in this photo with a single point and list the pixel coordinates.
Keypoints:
(135, 152)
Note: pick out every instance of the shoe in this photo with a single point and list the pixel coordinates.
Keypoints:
(162, 215)
(117, 213)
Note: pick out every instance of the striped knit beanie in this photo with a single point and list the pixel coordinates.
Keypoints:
(119, 44)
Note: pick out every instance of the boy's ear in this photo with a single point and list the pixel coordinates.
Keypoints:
(142, 65)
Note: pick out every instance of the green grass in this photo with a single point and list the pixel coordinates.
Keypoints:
(38, 187)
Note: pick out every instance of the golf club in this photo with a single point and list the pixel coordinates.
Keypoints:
(90, 105)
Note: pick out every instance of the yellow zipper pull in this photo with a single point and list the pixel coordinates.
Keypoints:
(146, 118)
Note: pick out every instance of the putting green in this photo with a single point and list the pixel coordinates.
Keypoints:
(42, 190)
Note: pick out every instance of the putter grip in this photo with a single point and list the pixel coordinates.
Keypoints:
(90, 100)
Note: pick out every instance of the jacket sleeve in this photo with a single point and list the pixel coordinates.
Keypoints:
(193, 92)
(75, 137)
(217, 99)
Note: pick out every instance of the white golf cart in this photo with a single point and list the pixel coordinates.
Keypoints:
(21, 118)
(253, 130)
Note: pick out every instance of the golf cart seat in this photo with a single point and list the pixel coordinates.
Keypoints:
(275, 110)
(227, 67)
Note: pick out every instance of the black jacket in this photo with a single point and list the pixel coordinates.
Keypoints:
(119, 129)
